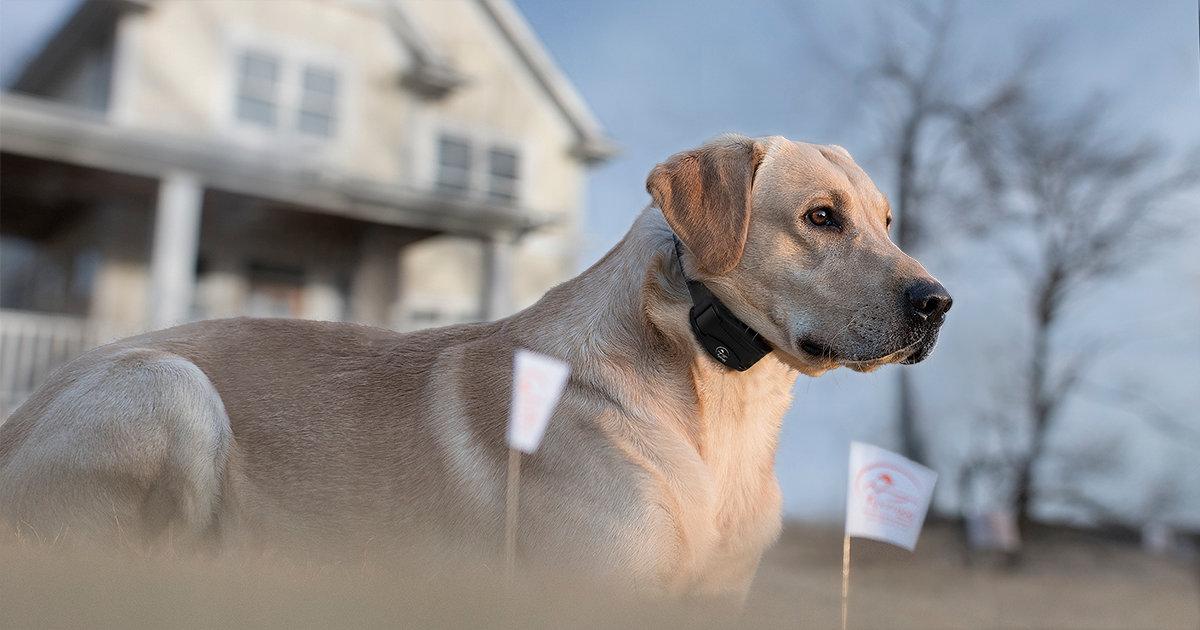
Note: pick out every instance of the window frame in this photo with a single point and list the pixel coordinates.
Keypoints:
(481, 174)
(260, 92)
(296, 59)
(512, 181)
(327, 105)
(464, 172)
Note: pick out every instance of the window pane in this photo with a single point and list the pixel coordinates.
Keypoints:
(257, 88)
(503, 163)
(503, 175)
(256, 111)
(318, 101)
(454, 164)
(454, 180)
(504, 191)
(259, 67)
(454, 152)
(315, 124)
(320, 81)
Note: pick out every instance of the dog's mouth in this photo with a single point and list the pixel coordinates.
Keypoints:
(816, 350)
(923, 348)
(913, 352)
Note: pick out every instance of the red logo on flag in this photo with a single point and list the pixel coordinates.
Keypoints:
(891, 493)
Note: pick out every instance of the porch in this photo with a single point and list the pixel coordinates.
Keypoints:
(108, 232)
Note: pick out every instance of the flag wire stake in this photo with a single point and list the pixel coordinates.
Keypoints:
(512, 500)
(845, 576)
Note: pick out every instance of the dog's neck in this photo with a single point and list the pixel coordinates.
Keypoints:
(635, 302)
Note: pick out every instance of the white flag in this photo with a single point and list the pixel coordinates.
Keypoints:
(538, 382)
(888, 496)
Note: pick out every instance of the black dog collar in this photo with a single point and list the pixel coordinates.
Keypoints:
(728, 339)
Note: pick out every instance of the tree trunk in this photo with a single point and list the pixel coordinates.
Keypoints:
(911, 443)
(908, 230)
(1041, 406)
(908, 233)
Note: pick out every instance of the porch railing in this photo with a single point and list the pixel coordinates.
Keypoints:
(33, 345)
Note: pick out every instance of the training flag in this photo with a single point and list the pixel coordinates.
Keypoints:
(538, 382)
(888, 496)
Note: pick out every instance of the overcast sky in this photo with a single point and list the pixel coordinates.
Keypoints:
(665, 75)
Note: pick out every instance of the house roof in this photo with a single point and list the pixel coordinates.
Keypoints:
(90, 23)
(594, 145)
(431, 75)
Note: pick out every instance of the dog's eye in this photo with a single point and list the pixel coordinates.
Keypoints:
(888, 223)
(821, 217)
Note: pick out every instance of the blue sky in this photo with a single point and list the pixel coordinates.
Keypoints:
(665, 75)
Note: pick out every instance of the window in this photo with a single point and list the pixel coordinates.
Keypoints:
(454, 165)
(502, 172)
(318, 98)
(278, 93)
(492, 172)
(258, 89)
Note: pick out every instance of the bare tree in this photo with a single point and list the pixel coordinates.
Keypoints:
(925, 94)
(1073, 204)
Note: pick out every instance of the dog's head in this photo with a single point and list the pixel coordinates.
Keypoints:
(793, 237)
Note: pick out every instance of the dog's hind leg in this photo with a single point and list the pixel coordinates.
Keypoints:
(134, 443)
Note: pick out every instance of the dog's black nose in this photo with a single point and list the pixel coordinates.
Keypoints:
(928, 300)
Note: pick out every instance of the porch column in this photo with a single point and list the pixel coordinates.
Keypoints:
(375, 283)
(173, 254)
(496, 298)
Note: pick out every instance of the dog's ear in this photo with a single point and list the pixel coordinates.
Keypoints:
(705, 196)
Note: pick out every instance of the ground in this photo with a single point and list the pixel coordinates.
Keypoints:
(1067, 581)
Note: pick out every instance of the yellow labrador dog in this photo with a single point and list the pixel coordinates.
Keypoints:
(759, 259)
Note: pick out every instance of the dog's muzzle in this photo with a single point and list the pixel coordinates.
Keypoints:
(923, 349)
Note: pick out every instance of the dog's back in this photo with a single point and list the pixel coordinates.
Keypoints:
(310, 427)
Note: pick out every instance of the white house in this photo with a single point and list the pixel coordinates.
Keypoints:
(401, 163)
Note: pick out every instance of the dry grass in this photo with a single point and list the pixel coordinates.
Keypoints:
(1068, 582)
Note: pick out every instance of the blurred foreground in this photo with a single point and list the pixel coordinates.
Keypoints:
(1067, 580)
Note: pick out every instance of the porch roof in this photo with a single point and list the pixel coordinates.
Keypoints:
(43, 129)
